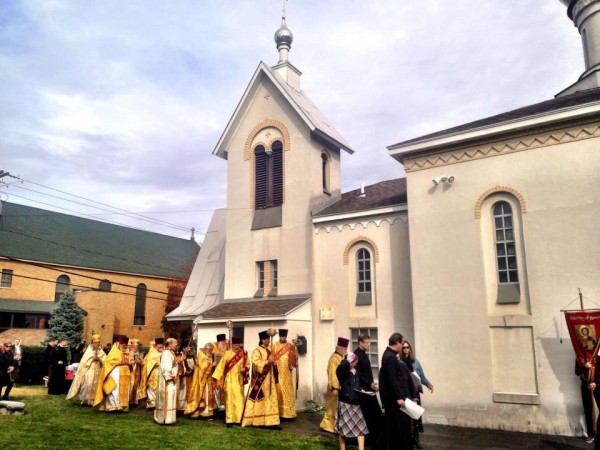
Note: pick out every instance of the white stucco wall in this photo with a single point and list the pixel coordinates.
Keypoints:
(471, 347)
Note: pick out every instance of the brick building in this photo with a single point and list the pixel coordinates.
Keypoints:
(120, 275)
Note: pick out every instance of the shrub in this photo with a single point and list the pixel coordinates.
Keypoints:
(33, 365)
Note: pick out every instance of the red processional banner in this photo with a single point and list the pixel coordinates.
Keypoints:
(584, 329)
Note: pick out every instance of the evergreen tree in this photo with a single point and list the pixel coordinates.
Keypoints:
(66, 321)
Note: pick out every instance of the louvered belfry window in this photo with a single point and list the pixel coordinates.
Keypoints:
(268, 189)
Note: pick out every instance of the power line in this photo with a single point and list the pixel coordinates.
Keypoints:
(44, 266)
(79, 249)
(142, 218)
(86, 287)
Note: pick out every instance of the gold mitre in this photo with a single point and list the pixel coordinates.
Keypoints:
(96, 338)
(134, 342)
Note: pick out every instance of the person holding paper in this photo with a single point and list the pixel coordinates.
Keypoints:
(350, 422)
(395, 387)
(419, 380)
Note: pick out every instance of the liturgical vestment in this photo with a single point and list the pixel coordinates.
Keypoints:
(112, 393)
(331, 401)
(166, 394)
(201, 398)
(85, 382)
(261, 408)
(285, 355)
(230, 373)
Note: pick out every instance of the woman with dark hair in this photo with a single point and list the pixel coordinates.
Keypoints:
(350, 422)
(419, 380)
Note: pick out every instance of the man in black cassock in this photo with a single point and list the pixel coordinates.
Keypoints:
(58, 364)
(368, 403)
(7, 365)
(395, 386)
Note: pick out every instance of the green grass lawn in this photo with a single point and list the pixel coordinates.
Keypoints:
(51, 422)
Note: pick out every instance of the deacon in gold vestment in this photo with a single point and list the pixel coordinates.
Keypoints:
(112, 392)
(286, 358)
(333, 385)
(86, 378)
(261, 408)
(149, 377)
(201, 398)
(136, 370)
(231, 375)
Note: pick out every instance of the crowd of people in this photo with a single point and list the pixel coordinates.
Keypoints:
(170, 378)
(352, 409)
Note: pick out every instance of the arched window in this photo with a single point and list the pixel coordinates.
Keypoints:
(63, 282)
(504, 236)
(105, 286)
(325, 172)
(139, 317)
(363, 277)
(268, 188)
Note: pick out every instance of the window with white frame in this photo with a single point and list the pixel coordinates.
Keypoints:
(373, 350)
(506, 254)
(266, 272)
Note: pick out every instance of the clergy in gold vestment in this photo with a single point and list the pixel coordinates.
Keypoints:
(285, 357)
(230, 375)
(112, 393)
(136, 370)
(201, 398)
(333, 385)
(86, 379)
(186, 362)
(261, 408)
(168, 380)
(149, 376)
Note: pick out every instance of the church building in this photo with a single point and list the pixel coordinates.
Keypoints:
(471, 256)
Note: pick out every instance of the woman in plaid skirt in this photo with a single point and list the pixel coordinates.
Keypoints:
(350, 422)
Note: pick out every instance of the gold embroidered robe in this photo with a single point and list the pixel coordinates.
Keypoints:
(261, 410)
(201, 398)
(331, 401)
(112, 392)
(85, 382)
(149, 378)
(286, 396)
(232, 384)
(136, 377)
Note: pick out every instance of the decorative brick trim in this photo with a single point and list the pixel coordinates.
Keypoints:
(493, 190)
(361, 239)
(516, 145)
(261, 126)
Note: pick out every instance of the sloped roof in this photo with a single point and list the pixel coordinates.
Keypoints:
(538, 109)
(27, 306)
(271, 307)
(379, 195)
(35, 234)
(299, 101)
(205, 286)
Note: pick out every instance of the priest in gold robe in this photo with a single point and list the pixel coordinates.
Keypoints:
(201, 398)
(165, 412)
(285, 356)
(136, 370)
(149, 374)
(231, 374)
(261, 408)
(333, 385)
(112, 392)
(85, 382)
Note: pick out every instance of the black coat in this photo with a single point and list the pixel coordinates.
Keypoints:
(395, 382)
(6, 360)
(348, 384)
(363, 369)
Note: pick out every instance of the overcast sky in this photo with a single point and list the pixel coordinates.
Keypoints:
(123, 102)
